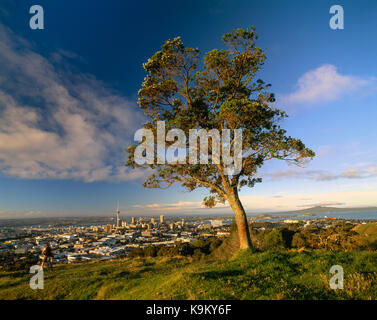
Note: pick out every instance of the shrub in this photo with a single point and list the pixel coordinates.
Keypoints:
(299, 240)
(274, 240)
(150, 251)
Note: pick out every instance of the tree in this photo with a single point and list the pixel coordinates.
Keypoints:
(299, 240)
(150, 251)
(221, 92)
(274, 239)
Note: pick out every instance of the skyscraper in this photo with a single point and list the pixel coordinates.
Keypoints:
(118, 223)
(133, 220)
(161, 219)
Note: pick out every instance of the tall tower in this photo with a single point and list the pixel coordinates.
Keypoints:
(161, 219)
(118, 220)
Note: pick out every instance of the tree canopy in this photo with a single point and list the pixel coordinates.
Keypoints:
(219, 91)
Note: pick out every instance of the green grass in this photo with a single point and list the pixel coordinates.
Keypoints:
(368, 230)
(267, 275)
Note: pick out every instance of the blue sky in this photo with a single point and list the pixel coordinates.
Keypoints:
(68, 102)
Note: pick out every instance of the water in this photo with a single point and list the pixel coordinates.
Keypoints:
(363, 215)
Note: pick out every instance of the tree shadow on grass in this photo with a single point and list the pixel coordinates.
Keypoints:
(219, 274)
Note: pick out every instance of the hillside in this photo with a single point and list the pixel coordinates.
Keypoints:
(267, 275)
(368, 230)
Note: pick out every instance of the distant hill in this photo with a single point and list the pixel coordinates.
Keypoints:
(323, 209)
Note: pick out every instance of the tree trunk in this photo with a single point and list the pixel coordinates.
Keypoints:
(241, 220)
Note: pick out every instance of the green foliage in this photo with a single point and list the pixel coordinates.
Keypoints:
(216, 243)
(339, 237)
(198, 248)
(273, 240)
(150, 251)
(229, 246)
(9, 264)
(217, 91)
(299, 240)
(287, 235)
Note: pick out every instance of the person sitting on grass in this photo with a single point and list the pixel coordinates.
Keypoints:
(47, 255)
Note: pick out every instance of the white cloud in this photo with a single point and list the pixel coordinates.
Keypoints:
(8, 214)
(58, 124)
(323, 175)
(178, 208)
(322, 203)
(326, 84)
(180, 205)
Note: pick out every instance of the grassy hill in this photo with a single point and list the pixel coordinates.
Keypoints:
(324, 209)
(368, 231)
(266, 275)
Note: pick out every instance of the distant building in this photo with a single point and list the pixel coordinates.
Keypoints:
(216, 223)
(133, 220)
(146, 234)
(68, 237)
(222, 234)
(171, 226)
(152, 220)
(108, 228)
(161, 219)
(118, 221)
(21, 250)
(290, 221)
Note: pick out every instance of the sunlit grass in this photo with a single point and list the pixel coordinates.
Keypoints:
(267, 275)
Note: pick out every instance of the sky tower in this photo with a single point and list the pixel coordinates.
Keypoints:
(118, 220)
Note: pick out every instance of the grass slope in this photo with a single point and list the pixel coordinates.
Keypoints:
(267, 275)
(369, 230)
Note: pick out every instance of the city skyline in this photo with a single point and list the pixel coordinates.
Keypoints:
(68, 104)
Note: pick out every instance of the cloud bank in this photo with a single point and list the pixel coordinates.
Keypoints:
(326, 84)
(305, 200)
(59, 124)
(256, 204)
(323, 175)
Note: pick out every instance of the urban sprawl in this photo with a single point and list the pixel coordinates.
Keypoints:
(109, 241)
(74, 243)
